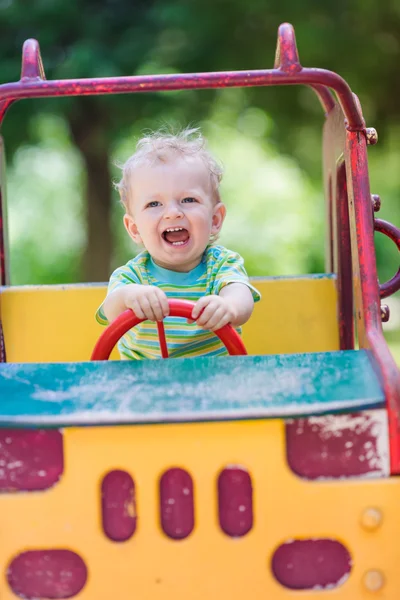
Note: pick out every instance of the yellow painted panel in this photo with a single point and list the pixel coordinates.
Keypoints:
(56, 323)
(207, 565)
(294, 315)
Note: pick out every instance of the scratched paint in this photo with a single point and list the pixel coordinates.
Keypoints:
(339, 446)
(30, 460)
(185, 389)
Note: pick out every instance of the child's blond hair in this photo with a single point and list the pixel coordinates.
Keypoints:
(159, 146)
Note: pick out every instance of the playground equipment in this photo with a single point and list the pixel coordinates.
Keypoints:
(268, 475)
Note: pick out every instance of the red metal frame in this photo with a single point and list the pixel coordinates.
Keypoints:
(351, 253)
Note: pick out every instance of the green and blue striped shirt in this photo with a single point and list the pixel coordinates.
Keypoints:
(218, 268)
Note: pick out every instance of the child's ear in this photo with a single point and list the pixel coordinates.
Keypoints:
(218, 218)
(132, 229)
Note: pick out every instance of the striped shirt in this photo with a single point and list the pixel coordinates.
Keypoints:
(218, 268)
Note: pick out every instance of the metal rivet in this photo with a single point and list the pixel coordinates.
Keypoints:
(371, 518)
(372, 136)
(385, 313)
(373, 580)
(376, 202)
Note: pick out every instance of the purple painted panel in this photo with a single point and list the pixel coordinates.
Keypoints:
(30, 459)
(176, 503)
(47, 574)
(235, 501)
(311, 564)
(339, 445)
(118, 503)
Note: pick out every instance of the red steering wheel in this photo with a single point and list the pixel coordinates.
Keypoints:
(177, 308)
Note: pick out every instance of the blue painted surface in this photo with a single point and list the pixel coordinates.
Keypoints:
(188, 389)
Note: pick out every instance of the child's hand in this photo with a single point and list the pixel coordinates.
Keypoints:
(146, 301)
(217, 312)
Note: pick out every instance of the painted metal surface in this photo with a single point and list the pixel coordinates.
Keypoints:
(30, 460)
(311, 564)
(47, 574)
(366, 285)
(235, 501)
(343, 266)
(188, 389)
(4, 266)
(176, 503)
(339, 446)
(393, 285)
(362, 289)
(118, 505)
(361, 514)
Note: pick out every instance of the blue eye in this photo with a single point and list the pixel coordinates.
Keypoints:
(153, 204)
(189, 200)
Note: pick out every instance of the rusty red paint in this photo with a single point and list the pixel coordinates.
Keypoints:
(47, 574)
(287, 56)
(344, 266)
(393, 285)
(311, 564)
(337, 446)
(176, 503)
(32, 65)
(339, 142)
(235, 501)
(118, 504)
(30, 459)
(288, 71)
(370, 334)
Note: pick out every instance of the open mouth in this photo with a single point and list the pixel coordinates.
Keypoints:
(176, 236)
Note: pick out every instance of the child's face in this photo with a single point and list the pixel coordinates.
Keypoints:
(177, 196)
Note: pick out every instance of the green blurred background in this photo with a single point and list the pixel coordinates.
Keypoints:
(64, 216)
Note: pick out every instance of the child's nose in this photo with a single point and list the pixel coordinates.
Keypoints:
(173, 211)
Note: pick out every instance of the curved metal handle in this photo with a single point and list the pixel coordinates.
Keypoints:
(393, 285)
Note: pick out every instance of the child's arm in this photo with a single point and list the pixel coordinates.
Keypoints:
(234, 304)
(146, 301)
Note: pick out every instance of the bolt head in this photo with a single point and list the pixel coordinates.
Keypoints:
(376, 202)
(371, 518)
(385, 313)
(373, 580)
(372, 136)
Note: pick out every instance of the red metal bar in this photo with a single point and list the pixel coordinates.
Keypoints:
(393, 285)
(154, 83)
(287, 71)
(338, 245)
(344, 267)
(325, 97)
(163, 341)
(368, 312)
(4, 274)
